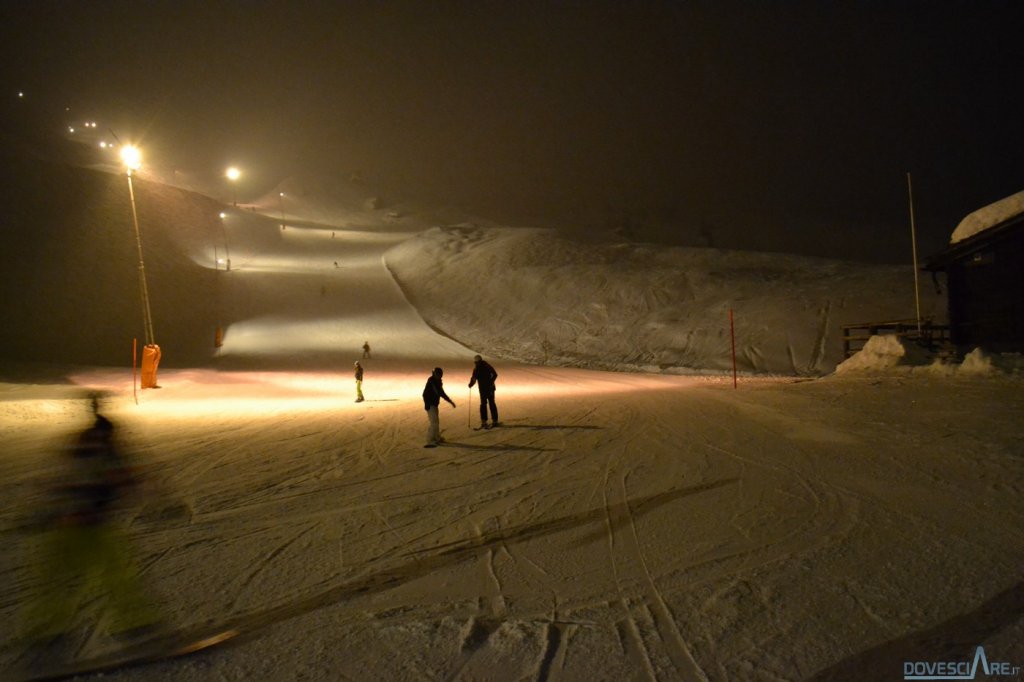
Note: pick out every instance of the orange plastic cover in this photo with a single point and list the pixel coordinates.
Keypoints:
(150, 362)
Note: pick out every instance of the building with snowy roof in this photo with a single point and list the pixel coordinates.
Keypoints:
(984, 266)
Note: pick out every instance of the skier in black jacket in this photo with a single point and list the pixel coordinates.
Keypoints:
(359, 382)
(484, 376)
(432, 394)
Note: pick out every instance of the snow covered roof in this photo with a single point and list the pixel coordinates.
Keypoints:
(989, 216)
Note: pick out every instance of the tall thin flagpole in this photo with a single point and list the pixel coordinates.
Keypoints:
(913, 242)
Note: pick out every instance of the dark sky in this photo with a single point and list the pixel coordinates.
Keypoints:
(778, 122)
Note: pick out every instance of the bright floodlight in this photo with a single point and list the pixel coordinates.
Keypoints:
(223, 215)
(131, 157)
(233, 173)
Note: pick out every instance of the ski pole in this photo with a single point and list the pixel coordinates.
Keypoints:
(732, 336)
(469, 409)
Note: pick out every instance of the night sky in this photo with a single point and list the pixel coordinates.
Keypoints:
(783, 121)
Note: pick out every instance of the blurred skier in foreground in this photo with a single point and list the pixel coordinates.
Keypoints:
(432, 394)
(484, 376)
(83, 553)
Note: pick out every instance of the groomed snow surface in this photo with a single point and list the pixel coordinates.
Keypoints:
(655, 525)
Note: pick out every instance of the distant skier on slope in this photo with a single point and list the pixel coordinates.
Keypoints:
(484, 376)
(366, 350)
(432, 394)
(359, 382)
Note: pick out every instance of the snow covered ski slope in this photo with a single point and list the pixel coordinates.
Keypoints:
(617, 526)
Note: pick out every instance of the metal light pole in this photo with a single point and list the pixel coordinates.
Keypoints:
(224, 229)
(233, 174)
(281, 195)
(218, 333)
(132, 159)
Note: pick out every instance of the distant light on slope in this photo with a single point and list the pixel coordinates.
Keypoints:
(131, 157)
(233, 174)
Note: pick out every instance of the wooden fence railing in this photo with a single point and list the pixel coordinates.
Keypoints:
(931, 336)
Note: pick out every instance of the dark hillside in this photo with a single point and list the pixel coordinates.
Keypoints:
(68, 244)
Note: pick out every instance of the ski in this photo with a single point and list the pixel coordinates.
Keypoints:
(174, 645)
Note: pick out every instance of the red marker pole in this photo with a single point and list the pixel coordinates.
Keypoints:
(732, 338)
(135, 393)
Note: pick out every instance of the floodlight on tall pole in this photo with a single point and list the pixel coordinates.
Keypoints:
(281, 196)
(233, 174)
(224, 230)
(131, 157)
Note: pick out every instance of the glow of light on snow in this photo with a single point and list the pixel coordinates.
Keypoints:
(359, 238)
(198, 394)
(238, 406)
(29, 408)
(302, 263)
(274, 335)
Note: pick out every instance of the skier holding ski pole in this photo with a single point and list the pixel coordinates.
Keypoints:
(484, 375)
(433, 392)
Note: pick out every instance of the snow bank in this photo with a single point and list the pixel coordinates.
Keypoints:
(989, 216)
(978, 362)
(881, 353)
(529, 294)
(885, 353)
